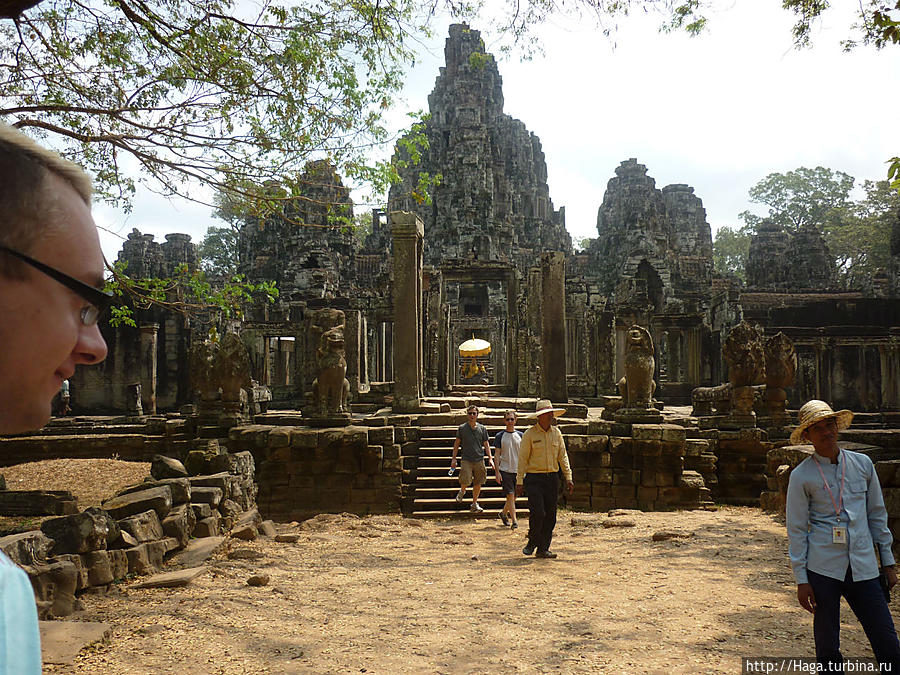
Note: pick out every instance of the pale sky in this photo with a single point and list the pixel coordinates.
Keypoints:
(718, 112)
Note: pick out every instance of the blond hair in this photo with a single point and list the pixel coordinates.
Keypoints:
(26, 197)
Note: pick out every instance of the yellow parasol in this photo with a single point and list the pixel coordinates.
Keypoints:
(475, 347)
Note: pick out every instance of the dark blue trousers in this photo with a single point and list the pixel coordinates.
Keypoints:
(866, 599)
(543, 492)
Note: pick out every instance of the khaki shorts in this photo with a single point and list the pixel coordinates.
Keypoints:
(471, 470)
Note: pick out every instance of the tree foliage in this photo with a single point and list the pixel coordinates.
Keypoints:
(219, 250)
(731, 248)
(204, 91)
(188, 292)
(799, 197)
(859, 236)
(857, 232)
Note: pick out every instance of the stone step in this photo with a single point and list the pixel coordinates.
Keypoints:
(521, 516)
(428, 491)
(434, 504)
(441, 479)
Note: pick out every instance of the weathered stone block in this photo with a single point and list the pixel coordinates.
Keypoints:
(143, 526)
(228, 508)
(380, 436)
(645, 448)
(304, 438)
(37, 503)
(597, 443)
(201, 511)
(887, 472)
(179, 524)
(159, 499)
(647, 494)
(601, 490)
(664, 479)
(891, 502)
(118, 563)
(207, 495)
(81, 532)
(167, 467)
(208, 527)
(626, 477)
(691, 479)
(81, 576)
(219, 480)
(180, 488)
(623, 492)
(54, 583)
(98, 568)
(245, 532)
(405, 434)
(26, 548)
(280, 437)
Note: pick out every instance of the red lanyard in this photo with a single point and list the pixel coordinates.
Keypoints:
(840, 501)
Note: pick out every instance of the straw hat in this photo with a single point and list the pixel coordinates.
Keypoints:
(544, 406)
(816, 411)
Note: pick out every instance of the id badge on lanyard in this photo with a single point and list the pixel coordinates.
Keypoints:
(838, 532)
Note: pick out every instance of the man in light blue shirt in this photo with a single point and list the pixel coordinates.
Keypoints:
(835, 520)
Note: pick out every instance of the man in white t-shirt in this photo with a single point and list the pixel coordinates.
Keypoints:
(507, 444)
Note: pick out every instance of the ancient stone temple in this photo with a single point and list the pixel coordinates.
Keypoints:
(152, 354)
(652, 259)
(309, 251)
(779, 261)
(499, 266)
(493, 203)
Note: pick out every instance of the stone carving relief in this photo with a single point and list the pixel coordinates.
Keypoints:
(781, 366)
(220, 367)
(743, 352)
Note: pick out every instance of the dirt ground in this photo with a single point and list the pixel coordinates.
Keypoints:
(385, 594)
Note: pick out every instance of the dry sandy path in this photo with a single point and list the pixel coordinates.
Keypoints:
(388, 595)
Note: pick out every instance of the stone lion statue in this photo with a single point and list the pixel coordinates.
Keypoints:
(331, 388)
(637, 386)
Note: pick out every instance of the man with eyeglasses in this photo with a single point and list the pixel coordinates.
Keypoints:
(473, 438)
(51, 272)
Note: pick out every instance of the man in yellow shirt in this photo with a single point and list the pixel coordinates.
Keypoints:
(541, 455)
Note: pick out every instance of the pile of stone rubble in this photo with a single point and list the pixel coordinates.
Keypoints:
(133, 532)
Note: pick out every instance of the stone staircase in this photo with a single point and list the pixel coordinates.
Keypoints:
(435, 491)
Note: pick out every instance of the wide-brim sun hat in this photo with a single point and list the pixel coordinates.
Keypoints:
(544, 406)
(815, 411)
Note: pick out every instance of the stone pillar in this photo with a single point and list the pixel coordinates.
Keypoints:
(353, 348)
(149, 332)
(553, 326)
(408, 233)
(694, 345)
(890, 375)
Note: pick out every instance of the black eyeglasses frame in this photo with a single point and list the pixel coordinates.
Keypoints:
(101, 300)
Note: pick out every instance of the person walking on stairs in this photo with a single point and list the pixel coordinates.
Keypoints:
(473, 438)
(506, 444)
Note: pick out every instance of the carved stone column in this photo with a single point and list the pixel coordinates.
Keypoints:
(149, 332)
(553, 326)
(408, 233)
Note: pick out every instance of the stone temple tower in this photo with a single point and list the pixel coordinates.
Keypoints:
(493, 202)
(655, 243)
